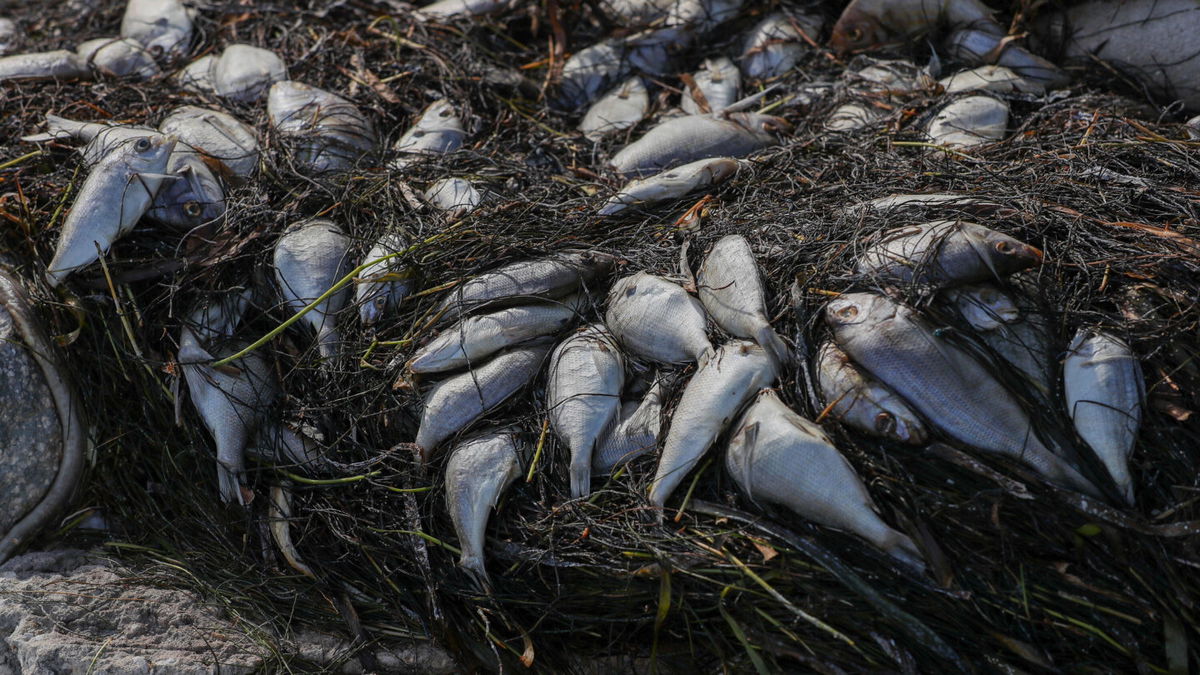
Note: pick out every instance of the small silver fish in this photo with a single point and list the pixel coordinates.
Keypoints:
(328, 132)
(657, 319)
(244, 73)
(218, 134)
(946, 201)
(720, 84)
(776, 43)
(634, 431)
(197, 76)
(777, 456)
(635, 12)
(310, 258)
(477, 473)
(687, 139)
(1019, 334)
(857, 399)
(380, 287)
(984, 306)
(551, 277)
(618, 110)
(945, 251)
(162, 27)
(996, 79)
(591, 70)
(60, 64)
(451, 9)
(730, 289)
(671, 184)
(437, 131)
(851, 117)
(454, 196)
(118, 57)
(968, 122)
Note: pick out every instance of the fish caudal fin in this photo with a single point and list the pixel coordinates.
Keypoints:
(230, 485)
(327, 344)
(581, 475)
(473, 564)
(768, 339)
(902, 548)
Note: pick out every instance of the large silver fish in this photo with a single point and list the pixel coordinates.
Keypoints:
(777, 456)
(687, 139)
(671, 184)
(730, 289)
(381, 286)
(634, 432)
(858, 400)
(118, 57)
(216, 133)
(618, 110)
(310, 258)
(477, 473)
(437, 131)
(720, 84)
(244, 72)
(657, 319)
(950, 389)
(60, 64)
(583, 396)
(328, 133)
(969, 121)
(456, 402)
(945, 251)
(1104, 388)
(551, 277)
(116, 194)
(162, 27)
(708, 405)
(591, 70)
(776, 43)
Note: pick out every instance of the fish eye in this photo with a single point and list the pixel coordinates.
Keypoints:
(847, 312)
(418, 133)
(155, 50)
(855, 33)
(631, 291)
(380, 302)
(885, 423)
(1003, 246)
(142, 143)
(192, 208)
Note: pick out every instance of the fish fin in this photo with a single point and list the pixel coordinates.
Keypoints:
(902, 548)
(230, 485)
(327, 345)
(750, 434)
(769, 340)
(473, 565)
(981, 249)
(581, 477)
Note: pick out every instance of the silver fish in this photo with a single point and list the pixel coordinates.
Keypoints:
(984, 306)
(101, 138)
(858, 400)
(946, 201)
(197, 76)
(730, 289)
(618, 110)
(244, 73)
(118, 57)
(996, 79)
(279, 515)
(851, 117)
(635, 12)
(450, 9)
(657, 319)
(1018, 333)
(973, 46)
(477, 473)
(591, 70)
(709, 403)
(10, 37)
(687, 139)
(583, 396)
(114, 196)
(218, 134)
(551, 277)
(162, 27)
(456, 402)
(380, 287)
(60, 64)
(653, 50)
(776, 43)
(196, 196)
(1104, 388)
(437, 131)
(778, 457)
(946, 251)
(720, 84)
(701, 16)
(473, 339)
(328, 132)
(968, 122)
(671, 184)
(950, 389)
(455, 196)
(633, 433)
(310, 258)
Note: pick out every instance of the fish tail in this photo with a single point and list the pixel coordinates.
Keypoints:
(473, 564)
(230, 484)
(581, 475)
(769, 340)
(327, 344)
(902, 548)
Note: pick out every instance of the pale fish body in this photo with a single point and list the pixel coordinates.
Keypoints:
(635, 12)
(968, 122)
(101, 138)
(196, 196)
(114, 196)
(950, 389)
(162, 27)
(653, 50)
(872, 23)
(720, 83)
(777, 456)
(543, 278)
(118, 58)
(591, 70)
(478, 471)
(381, 286)
(455, 196)
(945, 251)
(701, 16)
(687, 139)
(455, 403)
(197, 76)
(1016, 332)
(922, 201)
(858, 400)
(583, 396)
(60, 64)
(657, 319)
(984, 306)
(708, 405)
(730, 289)
(244, 73)
(851, 117)
(996, 79)
(1104, 388)
(216, 133)
(310, 258)
(450, 9)
(671, 184)
(470, 341)
(634, 431)
(617, 110)
(328, 133)
(977, 47)
(776, 43)
(437, 131)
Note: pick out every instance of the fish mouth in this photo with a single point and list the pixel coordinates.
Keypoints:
(1034, 253)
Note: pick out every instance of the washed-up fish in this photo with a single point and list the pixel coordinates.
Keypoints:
(456, 402)
(116, 194)
(653, 50)
(948, 387)
(777, 456)
(872, 23)
(218, 134)
(709, 403)
(60, 64)
(969, 121)
(617, 110)
(583, 396)
(858, 400)
(162, 27)
(984, 306)
(731, 290)
(996, 79)
(437, 131)
(687, 139)
(591, 70)
(776, 43)
(380, 287)
(1019, 334)
(310, 258)
(719, 84)
(851, 117)
(195, 196)
(636, 12)
(118, 58)
(477, 473)
(657, 319)
(244, 73)
(1104, 387)
(671, 184)
(701, 16)
(945, 252)
(473, 339)
(888, 75)
(197, 76)
(455, 196)
(9, 35)
(633, 433)
(328, 132)
(552, 277)
(449, 9)
(101, 138)
(944, 201)
(975, 47)
(279, 515)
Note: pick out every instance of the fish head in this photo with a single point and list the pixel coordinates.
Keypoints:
(149, 153)
(852, 309)
(1001, 253)
(856, 30)
(984, 306)
(721, 169)
(896, 422)
(195, 196)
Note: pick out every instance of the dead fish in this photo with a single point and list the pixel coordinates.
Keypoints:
(851, 117)
(687, 139)
(719, 84)
(968, 122)
(101, 138)
(197, 76)
(653, 50)
(856, 399)
(455, 403)
(1104, 388)
(776, 43)
(617, 110)
(118, 57)
(873, 23)
(244, 73)
(1018, 334)
(454, 196)
(218, 134)
(709, 403)
(984, 306)
(60, 64)
(114, 196)
(948, 387)
(976, 47)
(657, 319)
(452, 9)
(945, 201)
(730, 289)
(10, 37)
(671, 184)
(279, 515)
(633, 432)
(635, 12)
(945, 252)
(437, 131)
(996, 79)
(583, 396)
(544, 278)
(381, 286)
(310, 258)
(591, 70)
(477, 473)
(328, 133)
(702, 16)
(162, 27)
(887, 75)
(196, 196)
(778, 457)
